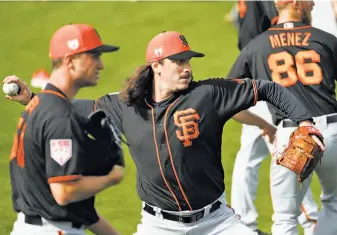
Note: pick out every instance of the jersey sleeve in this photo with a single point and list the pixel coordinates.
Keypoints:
(83, 107)
(63, 150)
(112, 105)
(234, 95)
(230, 96)
(240, 68)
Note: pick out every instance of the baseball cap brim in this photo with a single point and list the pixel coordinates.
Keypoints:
(185, 55)
(104, 48)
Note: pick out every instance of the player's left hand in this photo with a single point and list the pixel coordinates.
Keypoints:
(314, 137)
(269, 132)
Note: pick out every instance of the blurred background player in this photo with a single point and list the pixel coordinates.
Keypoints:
(40, 79)
(255, 17)
(301, 58)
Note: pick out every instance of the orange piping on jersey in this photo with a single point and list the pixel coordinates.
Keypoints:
(96, 102)
(21, 150)
(54, 93)
(170, 154)
(32, 105)
(301, 27)
(307, 215)
(158, 157)
(63, 178)
(255, 92)
(274, 20)
(15, 146)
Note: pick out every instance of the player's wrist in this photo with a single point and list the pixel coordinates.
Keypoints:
(115, 176)
(306, 123)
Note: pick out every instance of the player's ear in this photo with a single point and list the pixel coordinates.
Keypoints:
(69, 60)
(155, 65)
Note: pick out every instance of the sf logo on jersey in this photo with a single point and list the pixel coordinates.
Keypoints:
(187, 121)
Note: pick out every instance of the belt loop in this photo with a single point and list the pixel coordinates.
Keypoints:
(207, 209)
(158, 210)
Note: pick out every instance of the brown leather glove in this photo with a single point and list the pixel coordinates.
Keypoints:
(302, 154)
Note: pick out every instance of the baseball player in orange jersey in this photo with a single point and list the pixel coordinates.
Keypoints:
(303, 59)
(256, 17)
(174, 126)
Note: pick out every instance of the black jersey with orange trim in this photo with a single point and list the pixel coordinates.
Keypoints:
(50, 146)
(301, 58)
(176, 143)
(255, 17)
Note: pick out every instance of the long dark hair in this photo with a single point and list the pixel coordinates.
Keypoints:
(137, 85)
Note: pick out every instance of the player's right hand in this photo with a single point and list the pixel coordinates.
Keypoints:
(25, 93)
(269, 132)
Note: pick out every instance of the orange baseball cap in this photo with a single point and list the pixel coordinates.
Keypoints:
(76, 38)
(171, 45)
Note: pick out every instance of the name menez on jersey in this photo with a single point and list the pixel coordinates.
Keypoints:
(289, 39)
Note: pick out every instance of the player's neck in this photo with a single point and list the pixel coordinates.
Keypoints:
(160, 92)
(287, 17)
(64, 85)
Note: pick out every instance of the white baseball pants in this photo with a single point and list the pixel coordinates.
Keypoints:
(287, 194)
(223, 221)
(48, 228)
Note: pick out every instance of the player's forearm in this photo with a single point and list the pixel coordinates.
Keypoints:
(248, 118)
(85, 187)
(283, 100)
(103, 227)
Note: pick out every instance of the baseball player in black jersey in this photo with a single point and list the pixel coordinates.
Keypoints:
(302, 59)
(174, 126)
(60, 160)
(256, 17)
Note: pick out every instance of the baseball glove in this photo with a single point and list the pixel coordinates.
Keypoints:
(302, 154)
(105, 144)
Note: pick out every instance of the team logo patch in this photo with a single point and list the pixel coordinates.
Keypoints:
(288, 25)
(73, 44)
(183, 40)
(61, 150)
(187, 121)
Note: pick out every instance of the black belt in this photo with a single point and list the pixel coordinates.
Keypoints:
(183, 218)
(289, 123)
(37, 220)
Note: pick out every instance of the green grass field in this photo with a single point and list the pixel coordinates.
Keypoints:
(26, 30)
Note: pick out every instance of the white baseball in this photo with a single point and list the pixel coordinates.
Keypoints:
(11, 89)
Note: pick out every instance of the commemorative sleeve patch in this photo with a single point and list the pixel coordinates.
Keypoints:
(61, 150)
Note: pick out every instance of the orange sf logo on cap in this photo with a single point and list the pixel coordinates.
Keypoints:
(183, 40)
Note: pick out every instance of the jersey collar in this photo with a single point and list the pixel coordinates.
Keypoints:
(54, 88)
(290, 25)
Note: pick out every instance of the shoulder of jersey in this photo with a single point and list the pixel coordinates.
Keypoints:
(325, 35)
(53, 104)
(215, 81)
